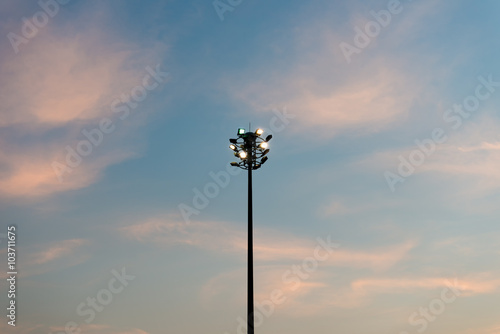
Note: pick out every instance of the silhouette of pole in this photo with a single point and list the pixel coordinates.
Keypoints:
(251, 148)
(250, 306)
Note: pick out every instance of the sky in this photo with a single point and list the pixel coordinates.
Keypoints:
(377, 211)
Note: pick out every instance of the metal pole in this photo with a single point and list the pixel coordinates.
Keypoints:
(250, 306)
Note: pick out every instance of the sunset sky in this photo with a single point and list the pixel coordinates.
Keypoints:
(377, 212)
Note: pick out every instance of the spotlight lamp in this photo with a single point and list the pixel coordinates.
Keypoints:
(243, 154)
(250, 148)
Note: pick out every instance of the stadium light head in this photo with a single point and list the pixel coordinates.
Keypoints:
(250, 149)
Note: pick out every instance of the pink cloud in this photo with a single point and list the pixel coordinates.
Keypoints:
(28, 172)
(366, 101)
(66, 78)
(63, 81)
(471, 156)
(478, 284)
(25, 327)
(52, 256)
(270, 245)
(56, 251)
(329, 96)
(100, 329)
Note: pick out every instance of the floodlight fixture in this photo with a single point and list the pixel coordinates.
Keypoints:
(251, 149)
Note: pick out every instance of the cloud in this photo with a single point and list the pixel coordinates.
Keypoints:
(226, 287)
(379, 259)
(467, 162)
(53, 256)
(25, 327)
(275, 253)
(57, 251)
(329, 97)
(334, 207)
(363, 101)
(28, 171)
(219, 237)
(100, 329)
(472, 286)
(495, 329)
(270, 245)
(332, 293)
(64, 81)
(471, 157)
(321, 291)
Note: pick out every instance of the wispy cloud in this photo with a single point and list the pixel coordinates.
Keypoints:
(270, 245)
(47, 257)
(272, 251)
(56, 251)
(101, 329)
(471, 157)
(63, 83)
(366, 101)
(466, 162)
(26, 328)
(323, 291)
(330, 97)
(472, 286)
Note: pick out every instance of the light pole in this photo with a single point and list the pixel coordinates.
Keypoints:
(251, 149)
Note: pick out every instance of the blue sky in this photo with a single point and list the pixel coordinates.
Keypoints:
(390, 151)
